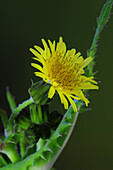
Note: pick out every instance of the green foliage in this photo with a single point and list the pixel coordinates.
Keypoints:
(3, 162)
(104, 15)
(4, 118)
(34, 114)
(102, 20)
(23, 119)
(11, 100)
(39, 151)
(47, 155)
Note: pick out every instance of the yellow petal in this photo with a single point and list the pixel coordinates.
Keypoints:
(80, 94)
(41, 60)
(86, 62)
(93, 81)
(35, 52)
(63, 100)
(39, 74)
(51, 45)
(77, 55)
(39, 49)
(45, 55)
(59, 45)
(88, 79)
(44, 43)
(51, 92)
(72, 103)
(37, 66)
(74, 97)
(88, 85)
(79, 60)
(70, 53)
(63, 48)
(47, 50)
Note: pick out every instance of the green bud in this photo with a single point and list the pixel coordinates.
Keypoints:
(39, 92)
(23, 119)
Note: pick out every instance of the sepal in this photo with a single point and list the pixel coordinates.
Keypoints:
(39, 92)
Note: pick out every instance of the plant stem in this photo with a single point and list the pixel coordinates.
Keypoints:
(22, 146)
(101, 22)
(45, 157)
(10, 150)
(50, 164)
(15, 113)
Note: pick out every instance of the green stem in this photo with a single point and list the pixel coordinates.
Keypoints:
(50, 164)
(101, 22)
(95, 39)
(11, 152)
(15, 113)
(22, 146)
(93, 51)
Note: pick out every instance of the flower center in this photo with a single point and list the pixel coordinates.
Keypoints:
(62, 73)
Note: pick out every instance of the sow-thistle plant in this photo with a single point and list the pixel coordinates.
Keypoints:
(33, 136)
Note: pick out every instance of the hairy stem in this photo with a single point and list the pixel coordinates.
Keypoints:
(15, 113)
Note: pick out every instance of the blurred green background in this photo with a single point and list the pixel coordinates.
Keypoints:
(22, 25)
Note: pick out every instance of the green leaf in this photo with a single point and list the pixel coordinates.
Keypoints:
(2, 161)
(47, 155)
(9, 139)
(102, 20)
(11, 100)
(104, 15)
(4, 118)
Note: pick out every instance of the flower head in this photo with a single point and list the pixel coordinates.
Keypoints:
(64, 71)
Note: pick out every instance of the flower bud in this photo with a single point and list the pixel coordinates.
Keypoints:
(39, 92)
(23, 119)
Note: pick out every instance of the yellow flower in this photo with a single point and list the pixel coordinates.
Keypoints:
(64, 71)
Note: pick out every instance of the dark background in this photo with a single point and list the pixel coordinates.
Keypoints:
(23, 23)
